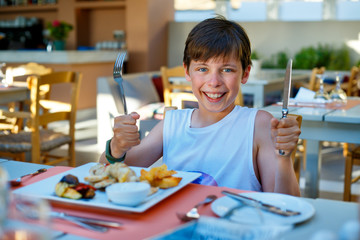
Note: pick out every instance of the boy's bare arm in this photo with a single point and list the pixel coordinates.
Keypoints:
(276, 172)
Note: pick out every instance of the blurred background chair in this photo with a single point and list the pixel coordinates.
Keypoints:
(351, 151)
(353, 86)
(180, 94)
(314, 82)
(36, 139)
(352, 159)
(22, 73)
(175, 89)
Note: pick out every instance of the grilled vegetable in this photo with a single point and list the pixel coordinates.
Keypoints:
(70, 187)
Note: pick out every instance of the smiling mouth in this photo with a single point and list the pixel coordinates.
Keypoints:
(214, 95)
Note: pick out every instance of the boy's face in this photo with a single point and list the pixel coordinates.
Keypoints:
(216, 83)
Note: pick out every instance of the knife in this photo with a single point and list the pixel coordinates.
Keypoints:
(286, 94)
(86, 220)
(264, 206)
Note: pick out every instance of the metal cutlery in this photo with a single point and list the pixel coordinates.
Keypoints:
(258, 204)
(117, 74)
(83, 224)
(100, 222)
(17, 181)
(32, 213)
(286, 94)
(193, 214)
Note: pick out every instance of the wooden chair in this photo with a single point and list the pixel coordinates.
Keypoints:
(353, 86)
(175, 90)
(22, 73)
(36, 139)
(314, 84)
(181, 93)
(352, 158)
(351, 151)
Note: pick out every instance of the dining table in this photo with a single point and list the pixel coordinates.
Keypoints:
(322, 122)
(161, 222)
(16, 92)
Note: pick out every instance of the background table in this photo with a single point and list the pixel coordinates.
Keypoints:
(322, 124)
(267, 81)
(14, 93)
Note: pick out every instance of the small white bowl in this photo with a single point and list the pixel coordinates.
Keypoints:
(128, 193)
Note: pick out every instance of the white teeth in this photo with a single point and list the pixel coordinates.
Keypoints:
(213, 95)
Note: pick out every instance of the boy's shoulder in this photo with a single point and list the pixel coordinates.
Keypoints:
(263, 117)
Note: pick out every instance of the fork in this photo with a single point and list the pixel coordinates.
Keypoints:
(193, 213)
(117, 74)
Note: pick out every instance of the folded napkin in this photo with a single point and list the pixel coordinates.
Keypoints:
(304, 95)
(217, 228)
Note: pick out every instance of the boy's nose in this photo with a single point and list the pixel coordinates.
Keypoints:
(214, 79)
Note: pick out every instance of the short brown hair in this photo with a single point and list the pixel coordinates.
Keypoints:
(217, 37)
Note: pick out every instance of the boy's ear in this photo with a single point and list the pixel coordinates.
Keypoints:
(187, 75)
(246, 75)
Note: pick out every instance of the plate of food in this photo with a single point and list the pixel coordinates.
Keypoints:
(86, 185)
(252, 215)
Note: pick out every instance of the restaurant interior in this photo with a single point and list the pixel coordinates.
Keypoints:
(68, 68)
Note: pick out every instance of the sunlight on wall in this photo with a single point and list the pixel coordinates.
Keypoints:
(354, 44)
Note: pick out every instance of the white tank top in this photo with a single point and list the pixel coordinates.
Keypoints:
(222, 150)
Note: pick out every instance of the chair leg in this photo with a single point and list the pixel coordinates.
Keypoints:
(304, 155)
(297, 167)
(71, 154)
(347, 178)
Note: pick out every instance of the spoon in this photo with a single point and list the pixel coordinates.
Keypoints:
(17, 181)
(193, 214)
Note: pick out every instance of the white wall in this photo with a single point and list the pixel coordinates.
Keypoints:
(271, 37)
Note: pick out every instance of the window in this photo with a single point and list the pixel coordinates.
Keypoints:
(262, 10)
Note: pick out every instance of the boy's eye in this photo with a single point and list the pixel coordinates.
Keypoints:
(227, 70)
(202, 69)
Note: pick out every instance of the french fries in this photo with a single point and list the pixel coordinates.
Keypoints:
(160, 177)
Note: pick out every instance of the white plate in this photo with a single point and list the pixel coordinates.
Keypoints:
(46, 189)
(251, 215)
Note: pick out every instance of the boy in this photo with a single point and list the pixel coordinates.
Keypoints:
(237, 146)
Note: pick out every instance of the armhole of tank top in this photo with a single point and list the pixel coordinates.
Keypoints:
(252, 168)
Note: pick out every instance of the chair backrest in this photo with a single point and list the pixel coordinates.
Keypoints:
(353, 86)
(45, 111)
(182, 92)
(313, 83)
(168, 86)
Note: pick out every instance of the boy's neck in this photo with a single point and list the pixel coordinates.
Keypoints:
(202, 118)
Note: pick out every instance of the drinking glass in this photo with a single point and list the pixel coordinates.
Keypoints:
(3, 82)
(4, 200)
(338, 95)
(321, 94)
(29, 218)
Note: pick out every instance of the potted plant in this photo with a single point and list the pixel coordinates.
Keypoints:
(256, 63)
(58, 32)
